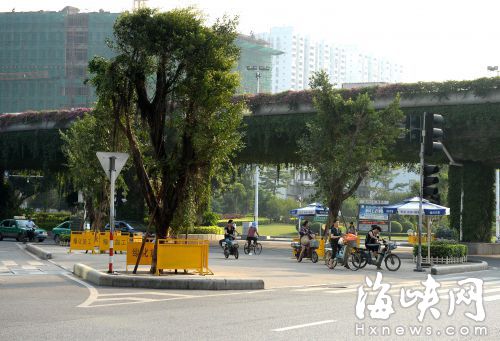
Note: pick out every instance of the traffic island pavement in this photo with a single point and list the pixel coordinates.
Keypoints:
(39, 252)
(157, 282)
(458, 268)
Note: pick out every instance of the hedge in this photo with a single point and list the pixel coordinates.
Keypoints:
(49, 220)
(206, 230)
(443, 249)
(396, 227)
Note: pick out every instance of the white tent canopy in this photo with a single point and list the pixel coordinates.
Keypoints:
(411, 207)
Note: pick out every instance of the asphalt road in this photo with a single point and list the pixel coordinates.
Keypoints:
(46, 302)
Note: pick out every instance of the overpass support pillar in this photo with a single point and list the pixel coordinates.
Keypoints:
(476, 181)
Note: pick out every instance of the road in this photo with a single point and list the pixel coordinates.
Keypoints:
(39, 300)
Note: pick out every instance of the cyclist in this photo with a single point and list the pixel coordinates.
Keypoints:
(252, 231)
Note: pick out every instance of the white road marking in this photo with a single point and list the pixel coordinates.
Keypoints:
(491, 298)
(144, 293)
(35, 263)
(96, 300)
(9, 263)
(20, 246)
(310, 289)
(303, 325)
(29, 267)
(93, 291)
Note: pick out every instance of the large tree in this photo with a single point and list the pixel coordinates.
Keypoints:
(345, 139)
(175, 74)
(94, 132)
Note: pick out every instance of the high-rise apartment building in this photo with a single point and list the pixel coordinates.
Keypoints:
(44, 57)
(303, 56)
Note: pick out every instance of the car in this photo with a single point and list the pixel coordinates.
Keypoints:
(122, 226)
(62, 228)
(17, 228)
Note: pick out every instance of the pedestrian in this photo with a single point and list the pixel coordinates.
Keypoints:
(352, 229)
(335, 235)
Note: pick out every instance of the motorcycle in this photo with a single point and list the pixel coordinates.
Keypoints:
(28, 235)
(230, 248)
(310, 251)
(361, 257)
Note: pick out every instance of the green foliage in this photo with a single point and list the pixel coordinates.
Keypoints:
(86, 136)
(206, 230)
(407, 225)
(210, 218)
(178, 73)
(48, 221)
(64, 237)
(344, 140)
(396, 227)
(446, 233)
(479, 198)
(443, 249)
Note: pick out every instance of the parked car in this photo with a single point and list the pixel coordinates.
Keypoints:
(63, 228)
(122, 226)
(17, 228)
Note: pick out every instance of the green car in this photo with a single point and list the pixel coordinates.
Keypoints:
(17, 228)
(63, 228)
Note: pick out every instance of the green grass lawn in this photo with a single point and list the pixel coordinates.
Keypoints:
(275, 230)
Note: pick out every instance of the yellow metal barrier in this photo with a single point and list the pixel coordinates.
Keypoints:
(83, 240)
(412, 239)
(321, 249)
(137, 237)
(133, 249)
(120, 241)
(184, 254)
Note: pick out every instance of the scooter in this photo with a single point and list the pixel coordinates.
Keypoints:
(310, 251)
(230, 248)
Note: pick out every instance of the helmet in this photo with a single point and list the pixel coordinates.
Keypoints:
(254, 224)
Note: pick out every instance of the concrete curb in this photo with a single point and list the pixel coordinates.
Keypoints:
(102, 279)
(39, 252)
(458, 268)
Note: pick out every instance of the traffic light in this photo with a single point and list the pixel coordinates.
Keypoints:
(433, 133)
(430, 192)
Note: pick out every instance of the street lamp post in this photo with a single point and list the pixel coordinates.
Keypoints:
(257, 70)
(495, 68)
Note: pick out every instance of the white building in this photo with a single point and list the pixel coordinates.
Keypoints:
(304, 56)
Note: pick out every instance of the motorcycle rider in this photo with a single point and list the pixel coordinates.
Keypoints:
(305, 238)
(230, 234)
(229, 223)
(30, 232)
(372, 241)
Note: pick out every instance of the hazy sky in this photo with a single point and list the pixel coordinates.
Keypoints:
(433, 39)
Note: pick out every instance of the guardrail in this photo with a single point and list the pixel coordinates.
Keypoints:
(84, 240)
(186, 254)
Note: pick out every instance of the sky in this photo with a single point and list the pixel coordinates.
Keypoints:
(435, 40)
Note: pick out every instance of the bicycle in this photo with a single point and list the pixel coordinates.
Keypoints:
(361, 257)
(255, 248)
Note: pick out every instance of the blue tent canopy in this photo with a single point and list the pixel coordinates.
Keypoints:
(411, 207)
(310, 210)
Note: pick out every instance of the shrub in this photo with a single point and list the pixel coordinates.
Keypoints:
(446, 233)
(210, 219)
(407, 225)
(64, 237)
(396, 227)
(206, 230)
(443, 249)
